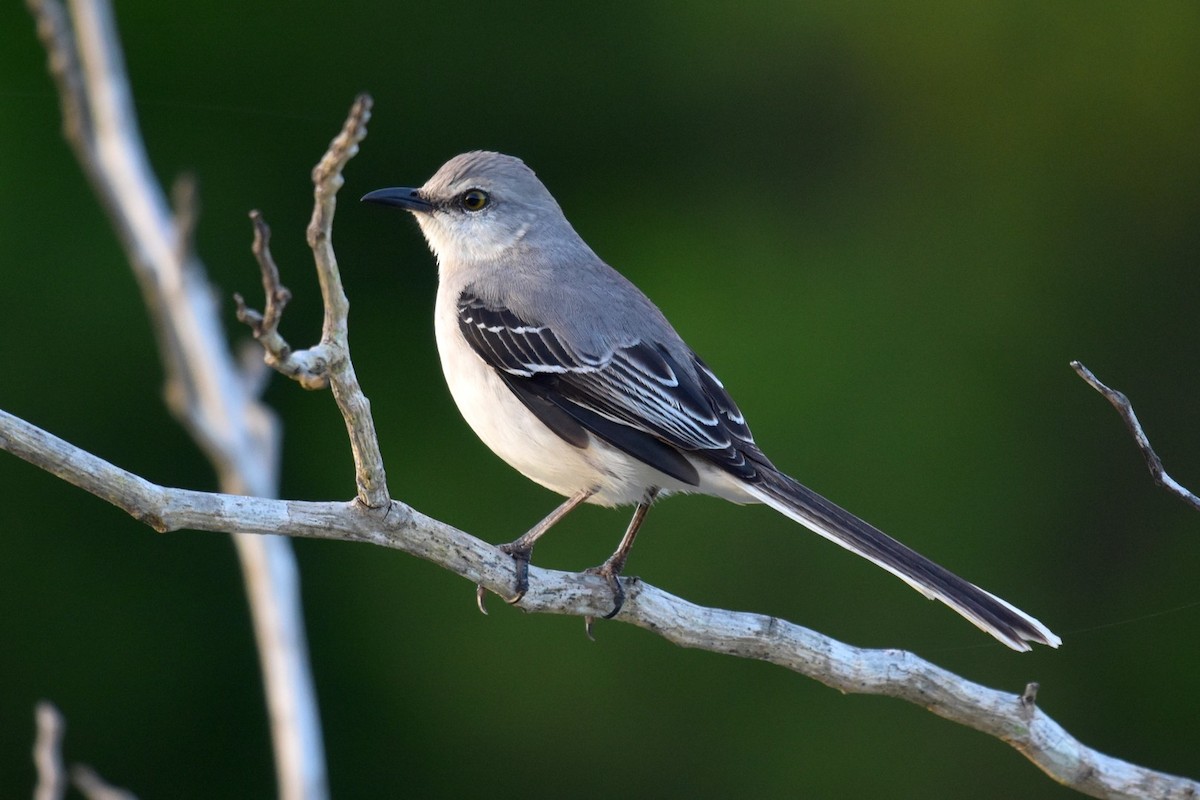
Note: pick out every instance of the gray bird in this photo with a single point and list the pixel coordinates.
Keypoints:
(572, 376)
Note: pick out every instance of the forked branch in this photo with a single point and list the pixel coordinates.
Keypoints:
(328, 362)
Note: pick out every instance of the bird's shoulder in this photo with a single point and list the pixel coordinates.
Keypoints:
(583, 301)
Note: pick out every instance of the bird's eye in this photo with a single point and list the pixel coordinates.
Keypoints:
(474, 200)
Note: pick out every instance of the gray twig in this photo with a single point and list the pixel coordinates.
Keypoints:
(47, 753)
(52, 773)
(93, 787)
(277, 353)
(327, 363)
(1153, 463)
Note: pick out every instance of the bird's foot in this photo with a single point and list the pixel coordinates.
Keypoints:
(520, 553)
(611, 572)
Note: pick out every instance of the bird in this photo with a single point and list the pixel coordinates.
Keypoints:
(574, 377)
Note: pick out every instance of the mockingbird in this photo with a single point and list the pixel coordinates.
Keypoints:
(572, 376)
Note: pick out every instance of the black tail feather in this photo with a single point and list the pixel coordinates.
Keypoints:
(1010, 625)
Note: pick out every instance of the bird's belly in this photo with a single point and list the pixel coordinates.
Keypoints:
(512, 432)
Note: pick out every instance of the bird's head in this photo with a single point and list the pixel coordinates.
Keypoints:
(478, 207)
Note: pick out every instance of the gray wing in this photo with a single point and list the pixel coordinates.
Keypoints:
(636, 397)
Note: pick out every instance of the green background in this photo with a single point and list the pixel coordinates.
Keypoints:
(888, 227)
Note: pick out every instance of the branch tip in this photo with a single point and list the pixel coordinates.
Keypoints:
(1124, 408)
(262, 231)
(47, 752)
(92, 786)
(185, 202)
(326, 175)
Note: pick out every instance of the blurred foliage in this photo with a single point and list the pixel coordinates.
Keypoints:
(888, 227)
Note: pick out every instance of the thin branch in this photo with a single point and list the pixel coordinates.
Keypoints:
(204, 387)
(329, 361)
(47, 753)
(306, 367)
(1011, 717)
(58, 41)
(185, 200)
(93, 787)
(1153, 463)
(52, 773)
(356, 409)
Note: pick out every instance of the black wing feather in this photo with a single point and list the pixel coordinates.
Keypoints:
(573, 422)
(638, 398)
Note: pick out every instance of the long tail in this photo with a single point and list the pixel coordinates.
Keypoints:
(1010, 625)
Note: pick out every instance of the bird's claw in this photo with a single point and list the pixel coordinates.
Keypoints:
(613, 579)
(480, 600)
(520, 555)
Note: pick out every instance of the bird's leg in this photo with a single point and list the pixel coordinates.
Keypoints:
(522, 548)
(610, 570)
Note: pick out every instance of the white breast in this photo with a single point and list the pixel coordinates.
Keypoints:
(515, 434)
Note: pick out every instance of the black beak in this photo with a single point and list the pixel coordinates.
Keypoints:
(408, 199)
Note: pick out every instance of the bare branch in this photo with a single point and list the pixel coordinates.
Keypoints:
(63, 65)
(1153, 463)
(1009, 716)
(329, 361)
(52, 774)
(47, 753)
(307, 368)
(204, 388)
(93, 787)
